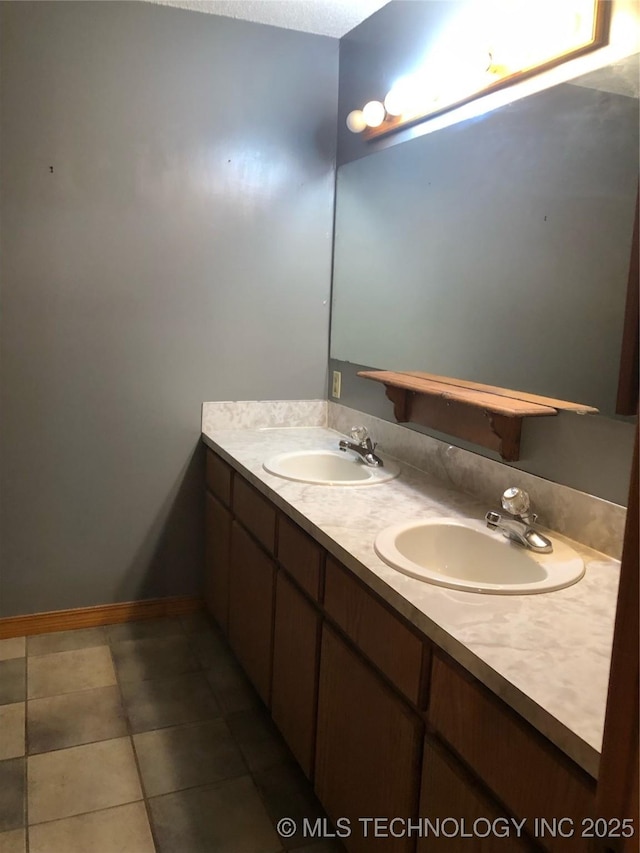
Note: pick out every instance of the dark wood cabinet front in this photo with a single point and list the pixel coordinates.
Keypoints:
(294, 690)
(217, 560)
(251, 597)
(368, 749)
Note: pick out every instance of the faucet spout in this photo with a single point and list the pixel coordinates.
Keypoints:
(519, 531)
(364, 447)
(519, 525)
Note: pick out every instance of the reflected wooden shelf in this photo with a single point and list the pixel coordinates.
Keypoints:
(483, 414)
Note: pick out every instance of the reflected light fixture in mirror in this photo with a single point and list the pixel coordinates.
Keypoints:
(494, 45)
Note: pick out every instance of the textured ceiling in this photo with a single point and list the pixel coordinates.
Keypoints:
(324, 17)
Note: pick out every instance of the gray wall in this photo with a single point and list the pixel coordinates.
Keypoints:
(167, 202)
(593, 454)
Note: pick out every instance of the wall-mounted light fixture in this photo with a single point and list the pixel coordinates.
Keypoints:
(505, 42)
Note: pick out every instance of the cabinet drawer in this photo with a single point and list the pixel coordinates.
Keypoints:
(218, 477)
(255, 512)
(300, 556)
(526, 772)
(383, 638)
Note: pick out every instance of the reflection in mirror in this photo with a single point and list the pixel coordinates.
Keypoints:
(497, 250)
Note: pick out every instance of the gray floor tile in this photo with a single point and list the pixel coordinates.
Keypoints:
(82, 779)
(66, 641)
(287, 793)
(56, 722)
(124, 829)
(12, 730)
(15, 647)
(138, 660)
(143, 629)
(66, 672)
(14, 841)
(169, 701)
(226, 818)
(231, 688)
(210, 648)
(12, 681)
(259, 740)
(12, 794)
(195, 623)
(186, 756)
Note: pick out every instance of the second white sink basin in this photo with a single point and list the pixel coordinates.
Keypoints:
(467, 556)
(328, 468)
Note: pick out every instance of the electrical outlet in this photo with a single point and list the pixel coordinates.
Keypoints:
(337, 382)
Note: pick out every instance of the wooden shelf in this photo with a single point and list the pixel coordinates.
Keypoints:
(483, 414)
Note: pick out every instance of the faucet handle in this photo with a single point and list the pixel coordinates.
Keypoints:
(516, 501)
(359, 434)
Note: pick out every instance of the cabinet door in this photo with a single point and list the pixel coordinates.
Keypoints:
(368, 748)
(294, 689)
(524, 771)
(251, 596)
(217, 553)
(474, 824)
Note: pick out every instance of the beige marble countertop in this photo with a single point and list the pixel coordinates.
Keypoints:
(546, 655)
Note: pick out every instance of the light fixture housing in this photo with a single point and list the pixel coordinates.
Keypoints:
(515, 41)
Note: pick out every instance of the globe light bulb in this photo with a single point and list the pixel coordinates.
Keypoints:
(394, 103)
(374, 113)
(356, 121)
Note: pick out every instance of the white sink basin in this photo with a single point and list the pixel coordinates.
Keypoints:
(328, 468)
(468, 556)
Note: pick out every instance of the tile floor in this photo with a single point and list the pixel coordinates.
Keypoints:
(137, 738)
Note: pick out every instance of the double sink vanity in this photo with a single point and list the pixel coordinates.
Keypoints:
(393, 634)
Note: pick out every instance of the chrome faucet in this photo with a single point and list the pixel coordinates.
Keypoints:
(519, 526)
(364, 447)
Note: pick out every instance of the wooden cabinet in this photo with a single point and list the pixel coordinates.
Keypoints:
(526, 772)
(368, 748)
(255, 512)
(219, 478)
(381, 635)
(452, 803)
(301, 557)
(251, 598)
(217, 560)
(294, 689)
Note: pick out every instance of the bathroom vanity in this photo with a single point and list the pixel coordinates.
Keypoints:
(400, 699)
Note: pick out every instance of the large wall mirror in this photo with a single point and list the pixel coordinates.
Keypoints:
(497, 250)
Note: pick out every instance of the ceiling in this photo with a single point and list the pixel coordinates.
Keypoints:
(332, 18)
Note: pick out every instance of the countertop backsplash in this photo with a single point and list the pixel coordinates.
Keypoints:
(263, 414)
(580, 516)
